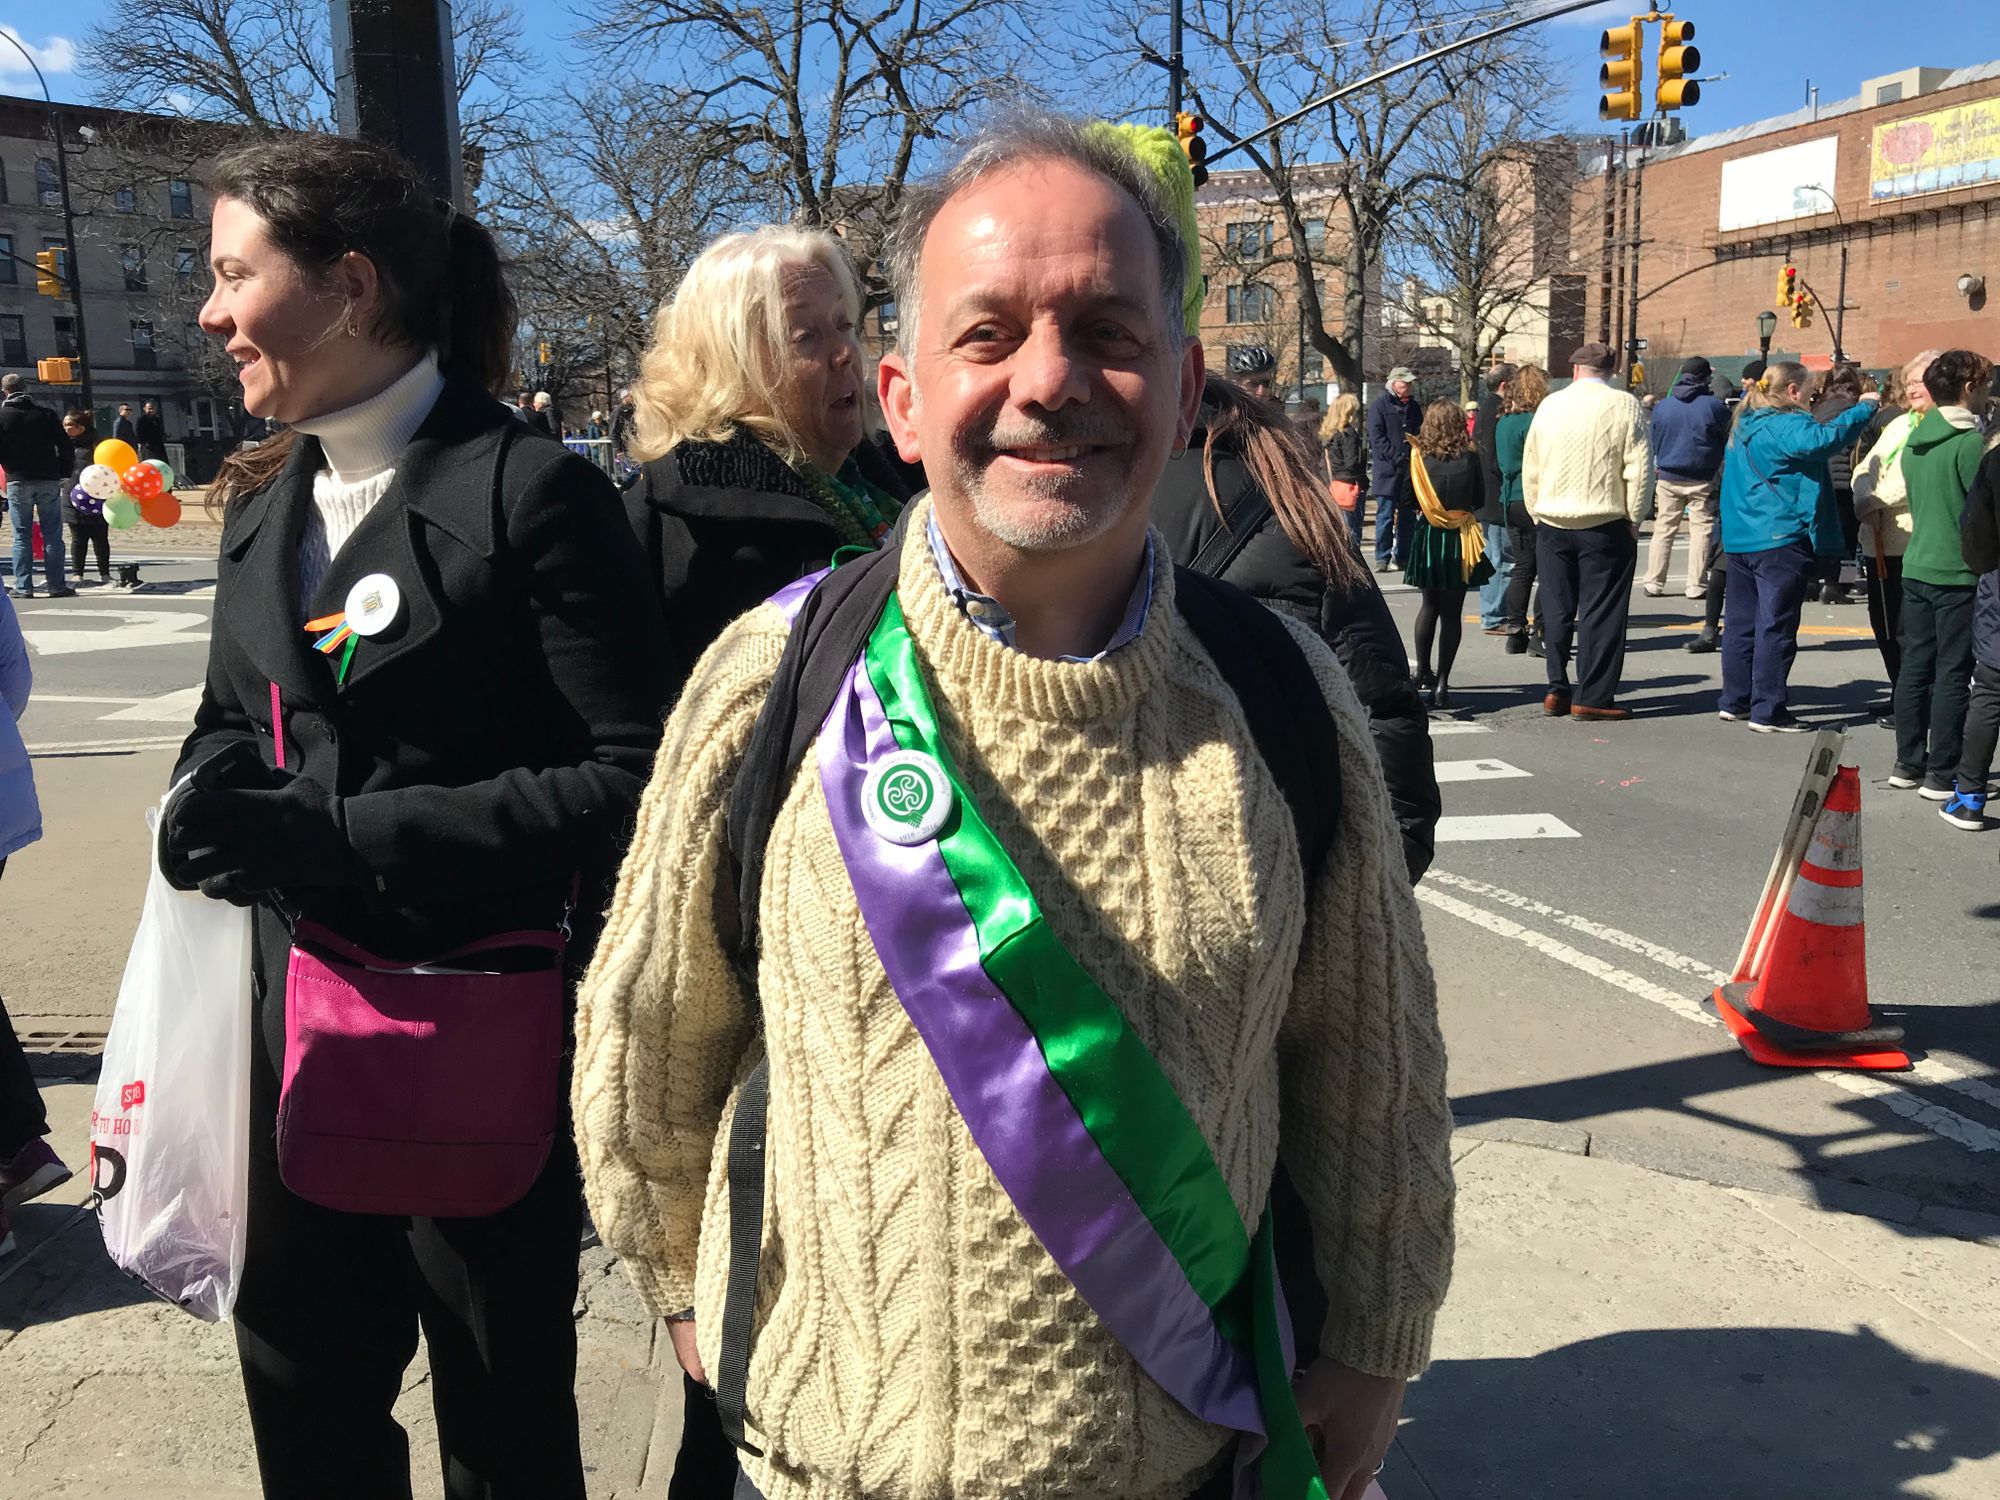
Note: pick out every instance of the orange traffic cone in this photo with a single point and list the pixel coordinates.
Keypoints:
(1808, 1006)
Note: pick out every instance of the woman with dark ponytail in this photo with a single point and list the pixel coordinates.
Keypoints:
(432, 702)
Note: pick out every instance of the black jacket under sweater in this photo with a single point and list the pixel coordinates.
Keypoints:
(726, 525)
(1354, 621)
(491, 745)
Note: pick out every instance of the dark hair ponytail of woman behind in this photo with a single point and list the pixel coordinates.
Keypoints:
(322, 196)
(1283, 464)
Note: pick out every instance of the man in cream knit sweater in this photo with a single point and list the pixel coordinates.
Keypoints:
(920, 1328)
(1587, 479)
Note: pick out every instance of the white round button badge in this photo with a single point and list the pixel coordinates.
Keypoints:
(906, 797)
(373, 604)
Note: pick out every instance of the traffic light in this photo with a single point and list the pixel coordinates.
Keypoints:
(542, 354)
(1802, 310)
(1788, 284)
(1187, 130)
(1623, 76)
(1677, 60)
(47, 282)
(55, 371)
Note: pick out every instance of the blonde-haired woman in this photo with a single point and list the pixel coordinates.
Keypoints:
(1346, 449)
(750, 421)
(1774, 481)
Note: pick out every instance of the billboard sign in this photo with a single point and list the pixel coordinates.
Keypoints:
(1948, 148)
(1793, 182)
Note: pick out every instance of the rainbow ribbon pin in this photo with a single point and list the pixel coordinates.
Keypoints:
(338, 633)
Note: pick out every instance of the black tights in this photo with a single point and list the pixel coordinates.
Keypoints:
(1441, 617)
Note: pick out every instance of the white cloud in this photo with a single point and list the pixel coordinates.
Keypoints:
(55, 56)
(179, 103)
(1596, 17)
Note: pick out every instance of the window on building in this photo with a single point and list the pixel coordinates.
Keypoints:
(9, 274)
(3, 182)
(180, 198)
(186, 263)
(13, 339)
(143, 357)
(1250, 303)
(66, 338)
(126, 200)
(1249, 240)
(1316, 236)
(133, 259)
(193, 340)
(1313, 370)
(1889, 93)
(888, 318)
(48, 184)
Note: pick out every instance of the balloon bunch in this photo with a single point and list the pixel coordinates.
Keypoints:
(125, 490)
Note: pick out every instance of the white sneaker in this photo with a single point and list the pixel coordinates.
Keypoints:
(1729, 718)
(1781, 726)
(1901, 782)
(1935, 793)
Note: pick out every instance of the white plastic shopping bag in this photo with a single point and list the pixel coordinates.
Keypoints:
(170, 1132)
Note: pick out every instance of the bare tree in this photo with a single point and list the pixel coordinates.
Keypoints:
(1251, 62)
(824, 104)
(614, 190)
(268, 64)
(1488, 224)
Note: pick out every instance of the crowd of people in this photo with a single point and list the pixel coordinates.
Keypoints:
(1779, 490)
(959, 862)
(794, 781)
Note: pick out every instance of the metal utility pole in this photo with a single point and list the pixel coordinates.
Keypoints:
(396, 84)
(75, 267)
(1176, 67)
(1638, 183)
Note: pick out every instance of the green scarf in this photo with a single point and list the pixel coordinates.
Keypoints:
(862, 513)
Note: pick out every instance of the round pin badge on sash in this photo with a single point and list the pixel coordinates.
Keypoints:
(906, 797)
(373, 604)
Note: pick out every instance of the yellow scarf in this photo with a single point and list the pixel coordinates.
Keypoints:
(1471, 535)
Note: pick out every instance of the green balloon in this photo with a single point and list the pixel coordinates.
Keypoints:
(123, 514)
(166, 473)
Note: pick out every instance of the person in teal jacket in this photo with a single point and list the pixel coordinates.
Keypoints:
(1776, 498)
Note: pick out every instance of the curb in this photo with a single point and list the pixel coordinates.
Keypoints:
(1810, 1188)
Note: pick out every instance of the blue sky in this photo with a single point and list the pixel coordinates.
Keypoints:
(1769, 55)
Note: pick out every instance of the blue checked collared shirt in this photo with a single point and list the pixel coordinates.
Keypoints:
(992, 619)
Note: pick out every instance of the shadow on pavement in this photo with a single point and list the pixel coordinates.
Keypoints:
(1840, 1169)
(1669, 1414)
(63, 1271)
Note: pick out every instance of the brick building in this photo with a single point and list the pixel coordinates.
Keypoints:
(1904, 177)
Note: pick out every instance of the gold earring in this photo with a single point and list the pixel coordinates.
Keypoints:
(353, 329)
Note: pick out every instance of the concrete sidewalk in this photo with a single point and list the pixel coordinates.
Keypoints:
(1612, 1332)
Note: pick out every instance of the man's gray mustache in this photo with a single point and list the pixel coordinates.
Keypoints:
(1079, 431)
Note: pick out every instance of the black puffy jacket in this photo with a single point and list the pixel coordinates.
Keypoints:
(1354, 621)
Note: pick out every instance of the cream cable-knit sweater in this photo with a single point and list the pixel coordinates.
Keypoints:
(1589, 458)
(914, 1338)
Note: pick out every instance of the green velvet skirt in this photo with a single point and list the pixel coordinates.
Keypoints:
(1437, 560)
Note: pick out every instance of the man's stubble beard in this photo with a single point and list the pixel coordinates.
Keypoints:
(1063, 522)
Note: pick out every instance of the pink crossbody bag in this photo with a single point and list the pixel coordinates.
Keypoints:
(429, 1087)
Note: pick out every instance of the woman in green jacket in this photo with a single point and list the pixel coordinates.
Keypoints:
(1525, 392)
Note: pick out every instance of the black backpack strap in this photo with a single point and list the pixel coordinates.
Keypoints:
(1282, 703)
(1223, 548)
(829, 633)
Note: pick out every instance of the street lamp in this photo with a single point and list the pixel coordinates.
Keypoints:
(1767, 324)
(75, 268)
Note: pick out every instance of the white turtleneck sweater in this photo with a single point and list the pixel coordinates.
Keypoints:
(360, 445)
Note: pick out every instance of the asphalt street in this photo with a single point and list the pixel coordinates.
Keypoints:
(1591, 885)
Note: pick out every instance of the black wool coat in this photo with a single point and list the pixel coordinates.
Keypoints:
(726, 525)
(1353, 620)
(488, 750)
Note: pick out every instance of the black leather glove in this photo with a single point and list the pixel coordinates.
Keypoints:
(236, 844)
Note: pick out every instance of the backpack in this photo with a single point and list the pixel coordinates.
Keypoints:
(1288, 720)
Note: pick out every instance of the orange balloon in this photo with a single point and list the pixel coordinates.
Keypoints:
(160, 510)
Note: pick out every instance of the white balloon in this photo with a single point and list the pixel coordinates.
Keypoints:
(101, 480)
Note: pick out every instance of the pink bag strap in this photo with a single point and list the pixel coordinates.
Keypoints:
(320, 937)
(278, 726)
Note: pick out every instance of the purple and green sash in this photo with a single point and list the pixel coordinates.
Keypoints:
(1080, 1126)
